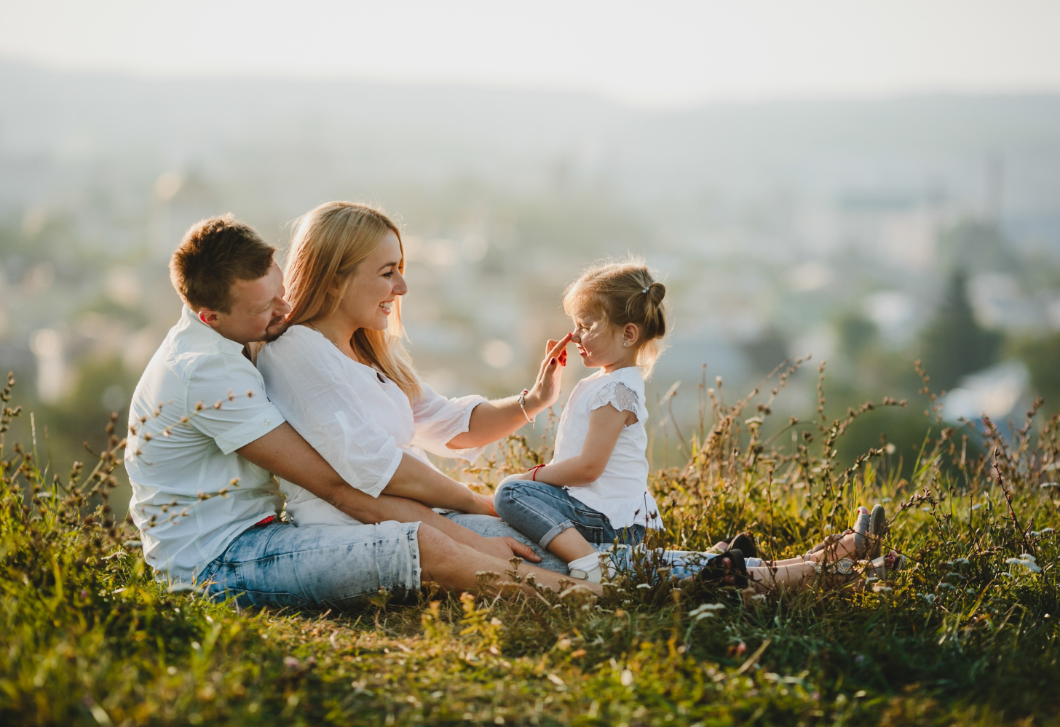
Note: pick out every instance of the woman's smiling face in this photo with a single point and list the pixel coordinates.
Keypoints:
(374, 286)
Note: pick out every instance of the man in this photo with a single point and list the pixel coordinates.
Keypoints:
(204, 438)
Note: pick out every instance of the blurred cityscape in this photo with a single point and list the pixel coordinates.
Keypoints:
(866, 233)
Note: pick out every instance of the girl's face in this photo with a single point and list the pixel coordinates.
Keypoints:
(374, 286)
(599, 343)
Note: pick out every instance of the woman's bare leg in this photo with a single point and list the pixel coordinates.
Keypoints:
(793, 577)
(456, 566)
(845, 547)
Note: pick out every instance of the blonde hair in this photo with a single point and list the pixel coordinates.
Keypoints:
(623, 292)
(329, 244)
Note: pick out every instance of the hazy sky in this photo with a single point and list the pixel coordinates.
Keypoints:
(652, 53)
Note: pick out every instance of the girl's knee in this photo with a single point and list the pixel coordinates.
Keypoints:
(504, 499)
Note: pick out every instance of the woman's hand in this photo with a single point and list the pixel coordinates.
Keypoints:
(546, 389)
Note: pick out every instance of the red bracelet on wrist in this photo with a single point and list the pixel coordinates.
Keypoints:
(533, 471)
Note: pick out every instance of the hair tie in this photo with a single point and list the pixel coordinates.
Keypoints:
(646, 289)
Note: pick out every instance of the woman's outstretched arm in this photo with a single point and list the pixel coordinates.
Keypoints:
(493, 420)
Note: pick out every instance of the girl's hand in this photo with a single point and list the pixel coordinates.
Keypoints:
(517, 477)
(546, 389)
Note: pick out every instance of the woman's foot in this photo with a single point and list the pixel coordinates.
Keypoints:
(846, 572)
(857, 542)
(883, 567)
(849, 545)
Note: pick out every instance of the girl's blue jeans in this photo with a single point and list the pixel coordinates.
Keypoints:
(541, 511)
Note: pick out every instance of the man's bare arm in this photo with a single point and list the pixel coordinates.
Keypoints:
(294, 459)
(285, 453)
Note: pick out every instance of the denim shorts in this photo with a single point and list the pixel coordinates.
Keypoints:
(541, 512)
(333, 566)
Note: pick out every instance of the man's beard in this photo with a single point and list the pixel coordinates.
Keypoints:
(275, 329)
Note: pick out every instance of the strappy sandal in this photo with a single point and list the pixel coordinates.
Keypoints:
(745, 543)
(716, 570)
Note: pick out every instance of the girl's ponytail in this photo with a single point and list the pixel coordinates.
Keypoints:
(654, 318)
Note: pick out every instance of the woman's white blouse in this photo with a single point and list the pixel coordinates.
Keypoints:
(358, 420)
(621, 492)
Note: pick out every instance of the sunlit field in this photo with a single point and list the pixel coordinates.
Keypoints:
(967, 633)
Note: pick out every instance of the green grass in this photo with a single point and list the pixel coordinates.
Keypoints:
(963, 636)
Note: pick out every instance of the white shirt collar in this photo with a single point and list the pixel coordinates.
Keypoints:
(204, 334)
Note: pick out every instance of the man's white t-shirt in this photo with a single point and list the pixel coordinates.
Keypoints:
(199, 400)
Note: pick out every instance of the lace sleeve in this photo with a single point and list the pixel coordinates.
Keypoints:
(619, 396)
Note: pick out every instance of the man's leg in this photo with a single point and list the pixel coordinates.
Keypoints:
(341, 565)
(316, 565)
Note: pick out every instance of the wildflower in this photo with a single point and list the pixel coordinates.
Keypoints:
(707, 610)
(1027, 561)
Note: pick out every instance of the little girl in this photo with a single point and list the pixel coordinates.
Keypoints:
(594, 491)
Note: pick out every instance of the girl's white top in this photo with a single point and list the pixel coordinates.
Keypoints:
(621, 492)
(355, 417)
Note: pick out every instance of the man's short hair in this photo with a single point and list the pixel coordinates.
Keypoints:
(214, 254)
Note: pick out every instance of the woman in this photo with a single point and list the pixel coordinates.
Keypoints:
(342, 377)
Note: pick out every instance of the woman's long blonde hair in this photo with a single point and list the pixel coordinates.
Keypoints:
(329, 244)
